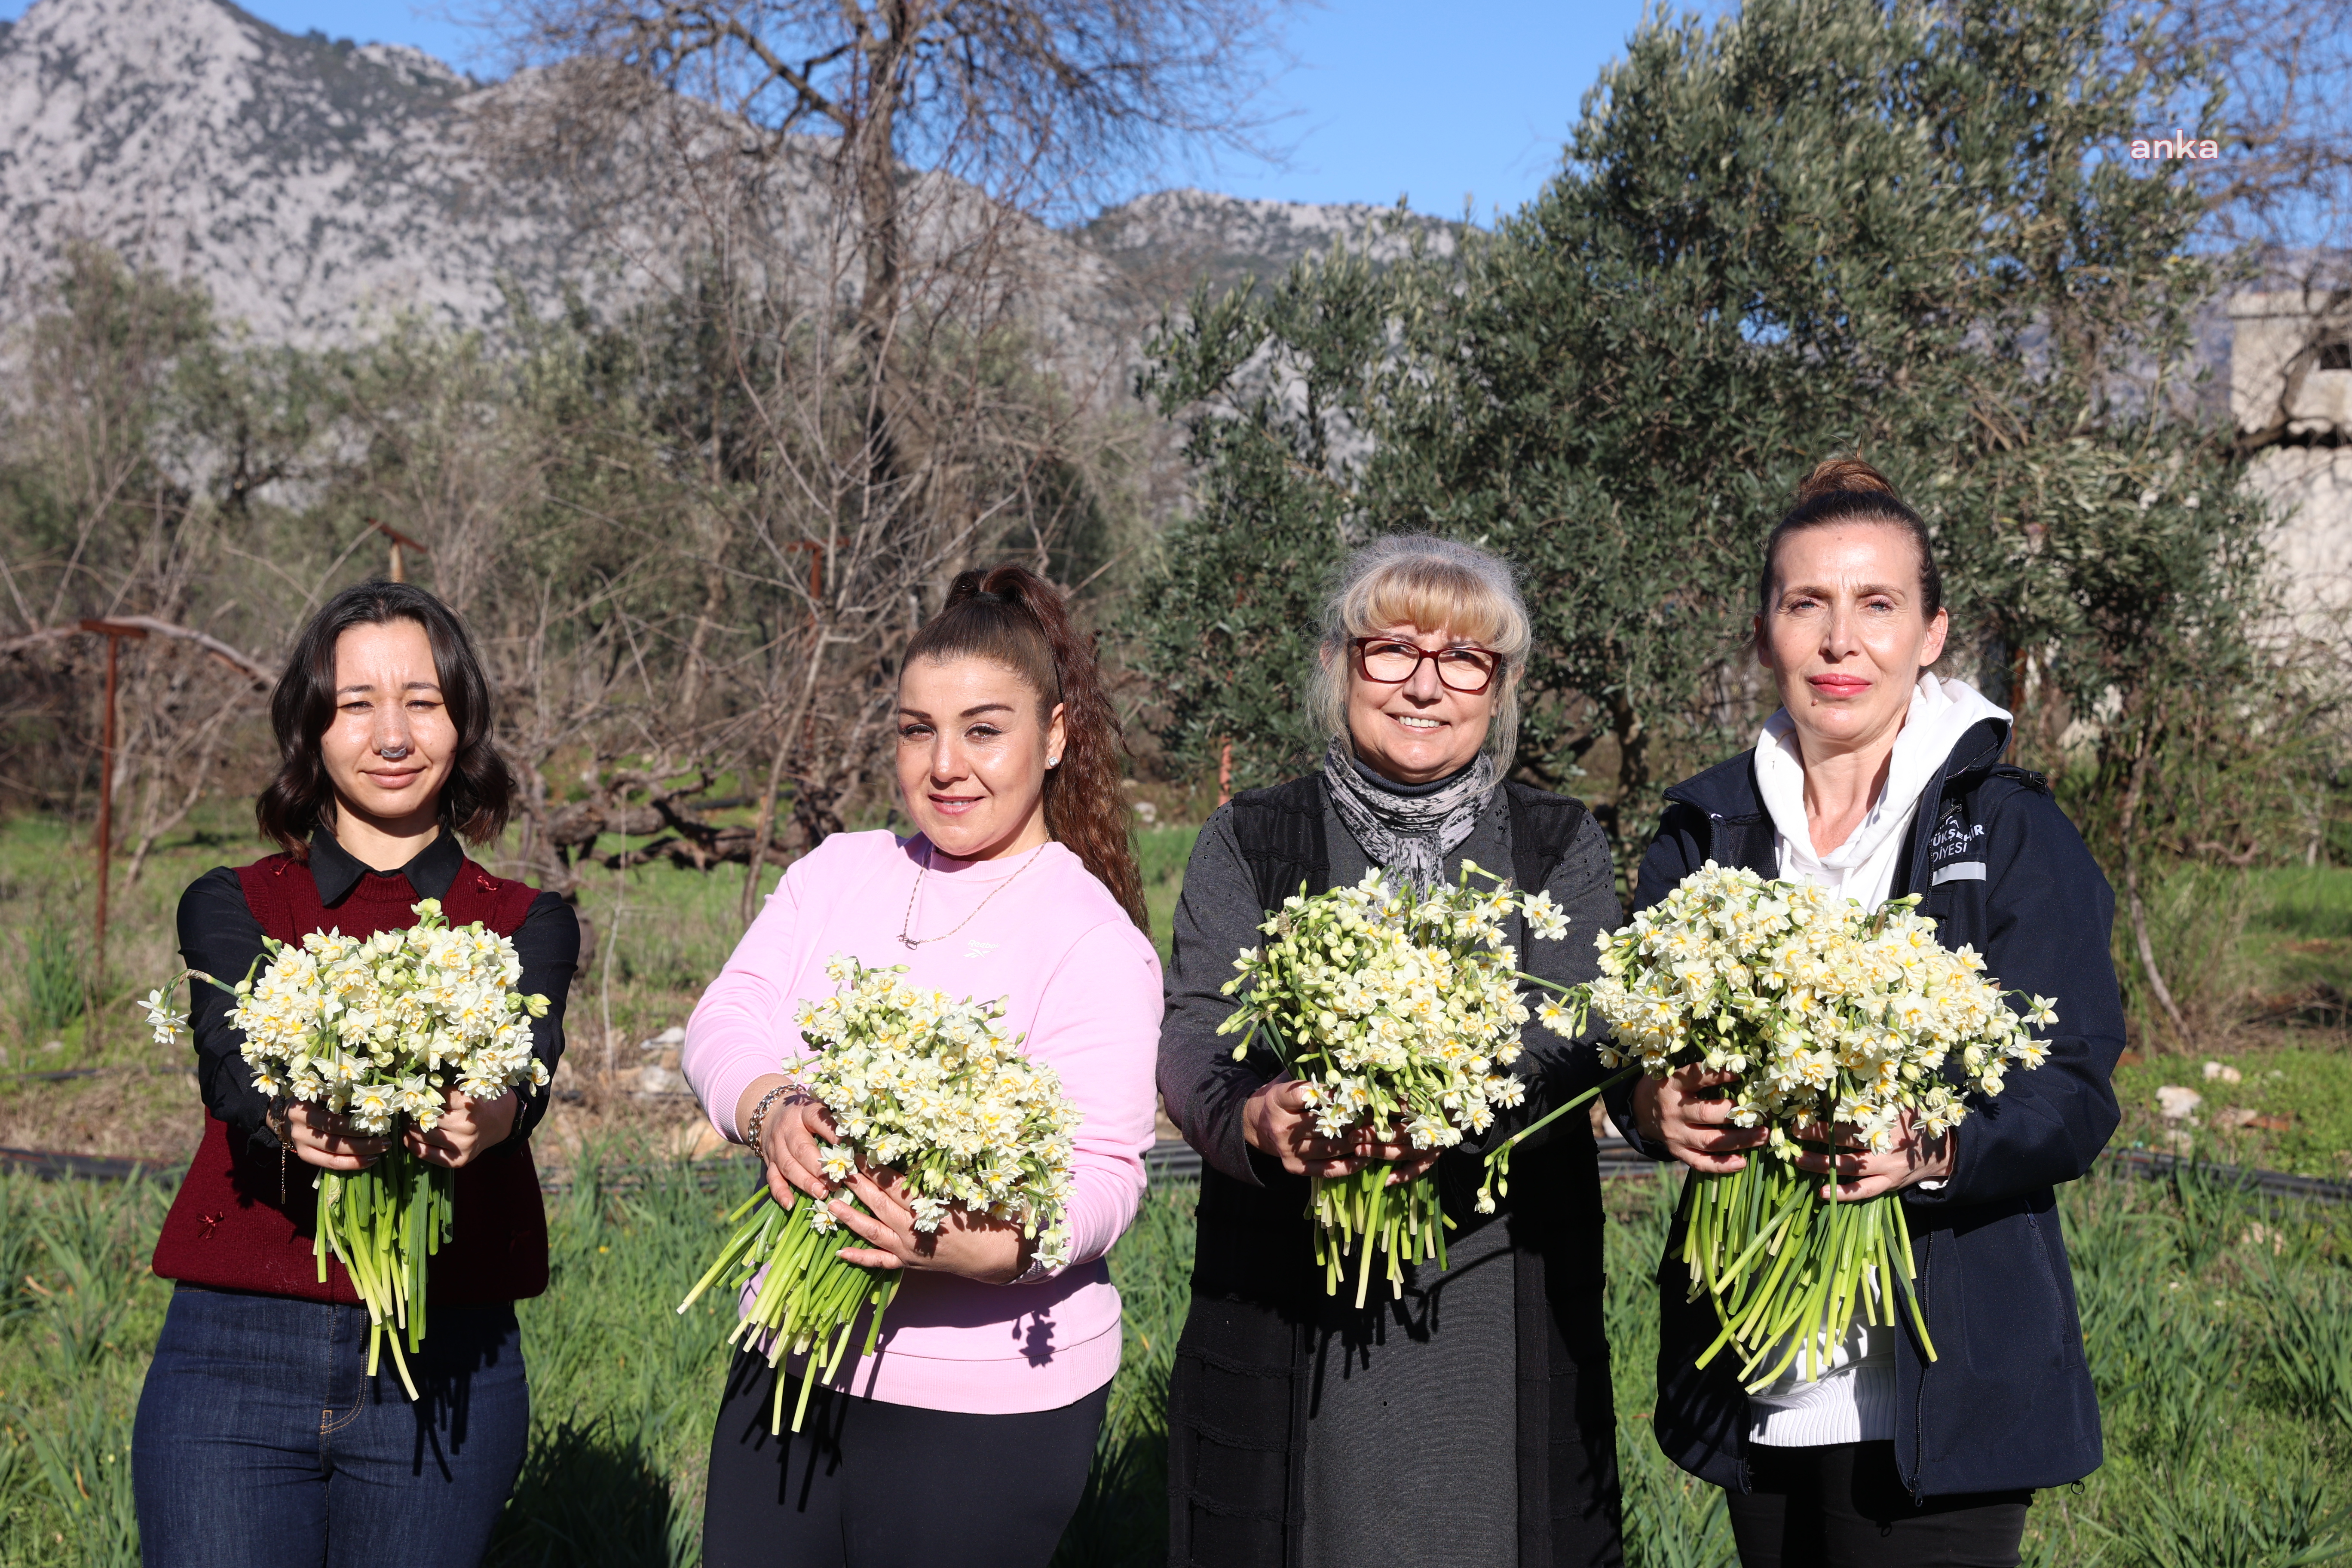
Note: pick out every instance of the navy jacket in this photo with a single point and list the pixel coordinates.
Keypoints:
(2009, 1401)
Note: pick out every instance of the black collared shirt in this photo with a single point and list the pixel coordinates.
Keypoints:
(337, 870)
(219, 935)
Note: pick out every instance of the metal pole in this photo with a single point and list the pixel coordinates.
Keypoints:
(106, 803)
(401, 544)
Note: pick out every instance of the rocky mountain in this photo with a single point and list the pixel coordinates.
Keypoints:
(316, 185)
(309, 183)
(1169, 240)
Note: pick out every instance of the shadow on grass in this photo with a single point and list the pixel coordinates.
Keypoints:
(1122, 1519)
(588, 1496)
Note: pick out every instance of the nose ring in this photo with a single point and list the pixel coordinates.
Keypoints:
(391, 754)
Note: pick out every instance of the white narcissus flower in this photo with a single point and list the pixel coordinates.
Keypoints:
(1824, 1011)
(1399, 1010)
(166, 1020)
(383, 1027)
(931, 1087)
(1546, 920)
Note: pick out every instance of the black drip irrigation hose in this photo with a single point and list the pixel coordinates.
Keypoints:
(2148, 1163)
(1182, 1162)
(50, 1166)
(1171, 1162)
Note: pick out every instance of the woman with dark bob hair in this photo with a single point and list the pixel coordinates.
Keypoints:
(261, 1439)
(1879, 779)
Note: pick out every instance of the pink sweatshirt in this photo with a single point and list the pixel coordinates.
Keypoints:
(1082, 985)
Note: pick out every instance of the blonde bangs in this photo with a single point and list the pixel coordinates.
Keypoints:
(1434, 596)
(1436, 586)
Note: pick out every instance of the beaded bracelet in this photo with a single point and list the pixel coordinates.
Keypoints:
(757, 1123)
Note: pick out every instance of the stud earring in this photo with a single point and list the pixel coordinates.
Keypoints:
(1053, 762)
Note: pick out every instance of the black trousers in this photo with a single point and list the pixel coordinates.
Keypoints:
(864, 1484)
(1845, 1506)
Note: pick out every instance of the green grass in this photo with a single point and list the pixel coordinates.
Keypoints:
(1160, 853)
(2301, 931)
(661, 933)
(2310, 1086)
(2218, 1325)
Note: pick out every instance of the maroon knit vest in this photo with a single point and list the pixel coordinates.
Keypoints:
(228, 1229)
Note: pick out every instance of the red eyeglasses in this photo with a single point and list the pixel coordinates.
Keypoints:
(1393, 662)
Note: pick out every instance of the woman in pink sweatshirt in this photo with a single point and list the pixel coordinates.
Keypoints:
(966, 1438)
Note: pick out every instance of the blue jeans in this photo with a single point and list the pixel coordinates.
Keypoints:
(262, 1443)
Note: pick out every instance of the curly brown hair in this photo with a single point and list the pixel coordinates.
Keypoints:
(1015, 617)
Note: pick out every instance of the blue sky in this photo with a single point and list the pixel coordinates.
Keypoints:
(1387, 96)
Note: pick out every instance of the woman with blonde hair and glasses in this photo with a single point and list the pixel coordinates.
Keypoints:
(1468, 1422)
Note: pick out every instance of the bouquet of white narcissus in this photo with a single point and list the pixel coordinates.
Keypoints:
(930, 1087)
(1400, 1011)
(1829, 1017)
(379, 1029)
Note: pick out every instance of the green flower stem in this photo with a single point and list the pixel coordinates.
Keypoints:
(1787, 1269)
(1361, 1215)
(385, 1222)
(746, 1240)
(1906, 1278)
(1499, 1160)
(809, 1301)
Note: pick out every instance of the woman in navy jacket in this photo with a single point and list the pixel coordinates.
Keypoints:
(1878, 780)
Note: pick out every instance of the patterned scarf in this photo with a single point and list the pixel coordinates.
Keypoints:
(1410, 835)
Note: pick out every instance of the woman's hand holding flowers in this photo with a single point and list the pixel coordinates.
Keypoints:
(468, 1129)
(325, 1138)
(794, 1141)
(803, 1153)
(993, 1252)
(1914, 1156)
(403, 1042)
(1680, 1111)
(918, 1128)
(1278, 1122)
(791, 1144)
(1831, 1042)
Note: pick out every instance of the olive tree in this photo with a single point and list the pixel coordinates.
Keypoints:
(1814, 226)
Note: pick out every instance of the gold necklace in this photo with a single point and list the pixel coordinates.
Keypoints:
(907, 922)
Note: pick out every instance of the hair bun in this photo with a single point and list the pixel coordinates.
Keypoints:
(1843, 476)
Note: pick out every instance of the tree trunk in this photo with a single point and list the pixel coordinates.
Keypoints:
(1632, 735)
(717, 538)
(2126, 832)
(763, 829)
(874, 165)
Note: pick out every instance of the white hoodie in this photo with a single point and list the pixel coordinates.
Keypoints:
(1854, 1400)
(1862, 867)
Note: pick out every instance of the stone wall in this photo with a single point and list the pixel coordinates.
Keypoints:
(2291, 397)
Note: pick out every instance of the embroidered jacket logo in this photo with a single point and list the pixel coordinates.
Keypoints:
(1956, 840)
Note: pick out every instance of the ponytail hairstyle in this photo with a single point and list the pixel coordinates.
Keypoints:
(1847, 490)
(1013, 618)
